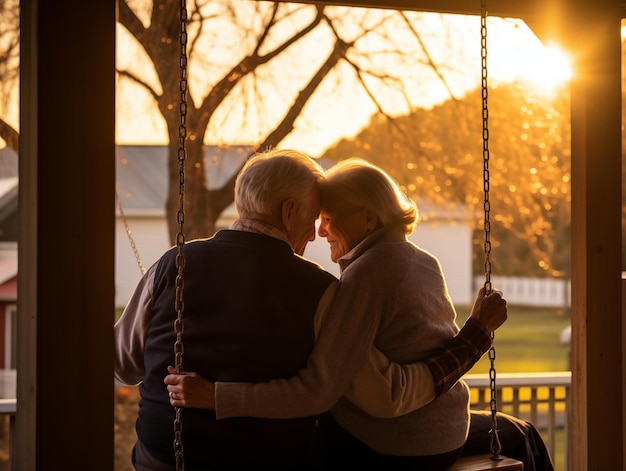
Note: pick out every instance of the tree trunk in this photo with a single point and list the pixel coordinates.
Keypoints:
(197, 216)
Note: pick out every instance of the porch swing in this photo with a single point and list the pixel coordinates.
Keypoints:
(470, 463)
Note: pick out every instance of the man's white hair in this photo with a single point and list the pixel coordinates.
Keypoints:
(269, 178)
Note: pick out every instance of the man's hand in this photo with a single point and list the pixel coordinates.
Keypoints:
(490, 311)
(190, 390)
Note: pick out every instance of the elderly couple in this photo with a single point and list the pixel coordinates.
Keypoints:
(288, 367)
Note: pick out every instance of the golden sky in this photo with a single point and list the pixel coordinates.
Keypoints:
(514, 53)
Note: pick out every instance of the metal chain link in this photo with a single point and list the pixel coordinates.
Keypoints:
(496, 447)
(180, 237)
(131, 240)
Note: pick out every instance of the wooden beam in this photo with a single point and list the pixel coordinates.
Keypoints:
(66, 245)
(508, 8)
(502, 8)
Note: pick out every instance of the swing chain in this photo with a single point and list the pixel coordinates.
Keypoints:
(485, 117)
(129, 233)
(180, 237)
(494, 440)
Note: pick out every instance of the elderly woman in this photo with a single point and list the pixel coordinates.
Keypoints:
(392, 298)
(366, 218)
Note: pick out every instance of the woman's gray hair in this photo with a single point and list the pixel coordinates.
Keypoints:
(355, 183)
(269, 178)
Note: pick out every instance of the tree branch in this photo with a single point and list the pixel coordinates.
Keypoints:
(10, 135)
(127, 18)
(266, 30)
(429, 59)
(145, 85)
(286, 125)
(251, 62)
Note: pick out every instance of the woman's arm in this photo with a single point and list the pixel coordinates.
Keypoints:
(381, 388)
(351, 313)
(385, 389)
(351, 319)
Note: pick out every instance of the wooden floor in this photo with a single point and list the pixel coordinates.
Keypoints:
(484, 462)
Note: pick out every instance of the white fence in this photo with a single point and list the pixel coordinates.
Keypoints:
(539, 292)
(541, 398)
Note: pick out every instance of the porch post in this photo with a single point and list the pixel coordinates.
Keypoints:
(66, 238)
(597, 334)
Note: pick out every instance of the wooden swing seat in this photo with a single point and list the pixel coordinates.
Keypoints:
(484, 462)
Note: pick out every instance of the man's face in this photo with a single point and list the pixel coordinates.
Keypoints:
(303, 228)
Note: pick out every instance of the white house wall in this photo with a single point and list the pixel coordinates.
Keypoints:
(450, 242)
(151, 240)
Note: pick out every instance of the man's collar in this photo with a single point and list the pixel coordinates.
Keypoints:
(259, 227)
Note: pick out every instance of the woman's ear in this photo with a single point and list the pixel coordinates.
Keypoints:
(371, 220)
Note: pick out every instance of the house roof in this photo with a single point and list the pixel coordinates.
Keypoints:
(142, 173)
(142, 180)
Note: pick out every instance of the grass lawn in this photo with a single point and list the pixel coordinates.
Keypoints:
(529, 341)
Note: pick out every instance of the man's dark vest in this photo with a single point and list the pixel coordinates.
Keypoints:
(249, 304)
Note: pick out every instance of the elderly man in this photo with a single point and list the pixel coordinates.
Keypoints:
(253, 307)
(250, 301)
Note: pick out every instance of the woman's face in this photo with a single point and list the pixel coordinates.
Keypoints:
(344, 232)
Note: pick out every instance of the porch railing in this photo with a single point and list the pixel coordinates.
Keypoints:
(541, 398)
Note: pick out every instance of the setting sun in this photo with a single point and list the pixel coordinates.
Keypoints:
(544, 67)
(551, 68)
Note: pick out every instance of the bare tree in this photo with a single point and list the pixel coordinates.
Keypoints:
(257, 66)
(9, 68)
(260, 62)
(257, 37)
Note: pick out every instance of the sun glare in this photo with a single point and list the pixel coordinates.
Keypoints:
(547, 68)
(519, 55)
(556, 65)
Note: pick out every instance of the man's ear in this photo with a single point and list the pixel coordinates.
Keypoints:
(288, 213)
